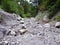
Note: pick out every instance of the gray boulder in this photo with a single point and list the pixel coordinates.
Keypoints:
(9, 16)
(1, 34)
(57, 25)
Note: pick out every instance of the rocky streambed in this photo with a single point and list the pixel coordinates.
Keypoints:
(15, 30)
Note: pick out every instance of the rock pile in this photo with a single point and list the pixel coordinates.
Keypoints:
(15, 30)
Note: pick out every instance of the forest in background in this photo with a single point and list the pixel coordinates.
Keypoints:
(52, 6)
(28, 10)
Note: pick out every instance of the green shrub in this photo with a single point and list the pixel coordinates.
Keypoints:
(52, 6)
(57, 16)
(24, 9)
(10, 6)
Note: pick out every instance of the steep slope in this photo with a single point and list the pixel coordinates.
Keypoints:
(27, 31)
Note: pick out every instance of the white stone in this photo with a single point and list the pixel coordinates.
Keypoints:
(47, 25)
(23, 26)
(6, 41)
(57, 24)
(12, 32)
(19, 18)
(22, 31)
(22, 22)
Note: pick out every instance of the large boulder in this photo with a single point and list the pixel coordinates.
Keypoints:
(57, 25)
(2, 33)
(9, 16)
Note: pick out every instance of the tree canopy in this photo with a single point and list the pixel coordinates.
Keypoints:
(28, 10)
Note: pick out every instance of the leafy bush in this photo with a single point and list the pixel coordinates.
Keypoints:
(52, 6)
(24, 9)
(9, 6)
(57, 16)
